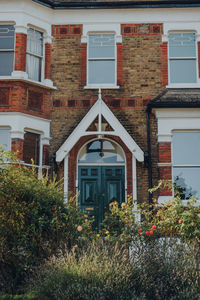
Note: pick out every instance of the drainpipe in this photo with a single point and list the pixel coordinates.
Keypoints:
(148, 154)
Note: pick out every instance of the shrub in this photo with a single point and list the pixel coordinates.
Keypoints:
(97, 272)
(34, 221)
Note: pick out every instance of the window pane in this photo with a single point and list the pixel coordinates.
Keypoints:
(183, 71)
(31, 148)
(186, 148)
(35, 42)
(101, 45)
(100, 151)
(33, 67)
(188, 181)
(6, 63)
(7, 37)
(101, 72)
(5, 139)
(182, 45)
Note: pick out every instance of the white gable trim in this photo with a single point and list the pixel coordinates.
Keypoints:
(99, 109)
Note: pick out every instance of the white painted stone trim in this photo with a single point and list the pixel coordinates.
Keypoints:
(18, 122)
(170, 119)
(101, 28)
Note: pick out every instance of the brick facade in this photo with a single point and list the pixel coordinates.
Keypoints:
(139, 76)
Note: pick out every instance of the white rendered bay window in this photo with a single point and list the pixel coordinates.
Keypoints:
(186, 163)
(34, 55)
(182, 58)
(7, 34)
(101, 59)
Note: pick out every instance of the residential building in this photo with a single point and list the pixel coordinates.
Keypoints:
(105, 93)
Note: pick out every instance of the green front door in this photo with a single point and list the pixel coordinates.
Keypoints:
(99, 186)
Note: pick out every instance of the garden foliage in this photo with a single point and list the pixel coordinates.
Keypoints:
(34, 220)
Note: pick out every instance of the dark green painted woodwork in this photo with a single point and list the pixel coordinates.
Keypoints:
(99, 186)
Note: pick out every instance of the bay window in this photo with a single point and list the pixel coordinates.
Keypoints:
(7, 33)
(34, 55)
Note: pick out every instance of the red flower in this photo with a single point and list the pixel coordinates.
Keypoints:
(147, 232)
(140, 230)
(154, 227)
(53, 208)
(151, 232)
(180, 221)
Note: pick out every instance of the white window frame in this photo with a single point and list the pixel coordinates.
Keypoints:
(184, 201)
(41, 57)
(183, 58)
(101, 85)
(105, 28)
(9, 50)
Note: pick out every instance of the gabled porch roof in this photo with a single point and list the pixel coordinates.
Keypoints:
(99, 110)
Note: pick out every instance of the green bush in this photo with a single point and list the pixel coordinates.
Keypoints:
(34, 221)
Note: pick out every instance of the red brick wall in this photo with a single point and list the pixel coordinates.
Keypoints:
(164, 156)
(20, 52)
(17, 99)
(164, 67)
(47, 73)
(119, 64)
(83, 64)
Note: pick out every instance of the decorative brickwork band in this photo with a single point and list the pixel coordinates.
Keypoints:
(20, 52)
(141, 29)
(164, 69)
(17, 146)
(47, 74)
(45, 156)
(199, 58)
(66, 30)
(83, 64)
(164, 152)
(119, 64)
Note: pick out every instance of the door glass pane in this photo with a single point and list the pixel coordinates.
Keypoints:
(112, 191)
(182, 45)
(101, 71)
(101, 46)
(5, 139)
(183, 71)
(6, 63)
(186, 148)
(188, 181)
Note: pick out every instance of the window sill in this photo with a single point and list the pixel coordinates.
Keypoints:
(183, 86)
(101, 86)
(48, 84)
